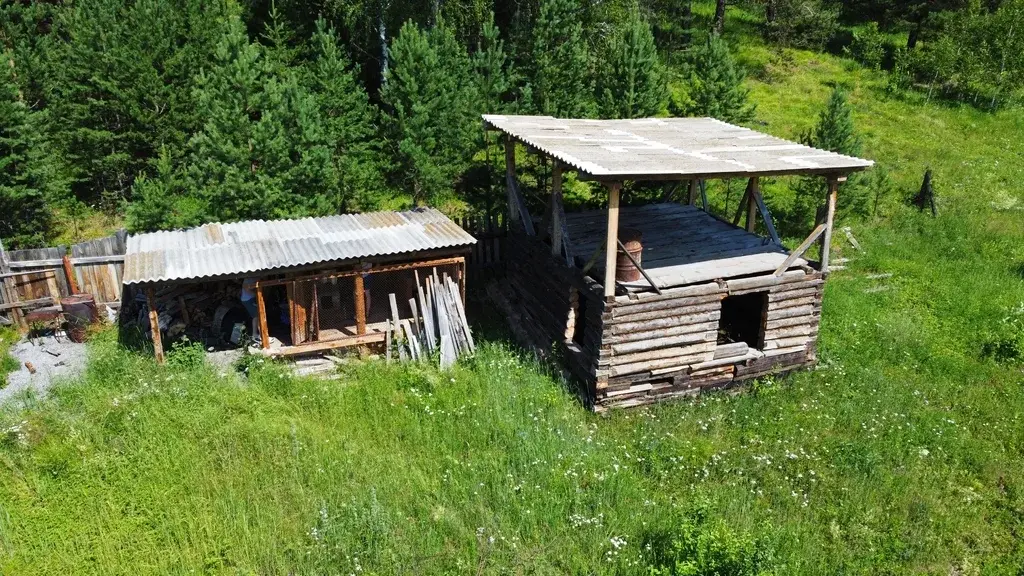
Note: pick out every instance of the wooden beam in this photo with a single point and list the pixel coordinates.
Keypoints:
(799, 250)
(766, 216)
(556, 201)
(752, 190)
(79, 260)
(370, 338)
(742, 204)
(510, 176)
(359, 294)
(261, 314)
(154, 325)
(26, 304)
(357, 271)
(612, 238)
(830, 213)
(693, 192)
(704, 195)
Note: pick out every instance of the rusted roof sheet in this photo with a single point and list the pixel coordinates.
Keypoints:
(258, 245)
(666, 148)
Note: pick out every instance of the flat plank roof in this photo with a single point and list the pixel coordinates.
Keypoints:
(681, 245)
(235, 248)
(668, 148)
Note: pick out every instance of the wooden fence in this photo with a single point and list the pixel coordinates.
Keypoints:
(487, 258)
(42, 276)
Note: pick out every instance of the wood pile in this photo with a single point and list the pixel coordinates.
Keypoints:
(438, 324)
(191, 311)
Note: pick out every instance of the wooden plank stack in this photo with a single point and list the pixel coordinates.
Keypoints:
(438, 324)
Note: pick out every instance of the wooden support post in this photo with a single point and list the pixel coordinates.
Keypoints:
(739, 208)
(359, 294)
(830, 213)
(461, 268)
(510, 177)
(766, 217)
(693, 192)
(154, 325)
(612, 238)
(69, 272)
(752, 189)
(10, 292)
(800, 250)
(556, 203)
(261, 315)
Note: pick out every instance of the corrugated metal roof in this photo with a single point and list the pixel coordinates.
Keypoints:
(669, 147)
(257, 245)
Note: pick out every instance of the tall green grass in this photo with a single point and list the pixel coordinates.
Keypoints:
(902, 453)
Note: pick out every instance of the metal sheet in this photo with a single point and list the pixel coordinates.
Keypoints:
(242, 247)
(669, 147)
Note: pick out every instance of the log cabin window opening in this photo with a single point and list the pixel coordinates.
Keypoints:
(743, 319)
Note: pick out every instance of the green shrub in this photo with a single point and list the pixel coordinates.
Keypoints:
(699, 547)
(186, 355)
(868, 46)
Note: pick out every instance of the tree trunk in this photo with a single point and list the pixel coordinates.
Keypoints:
(770, 11)
(719, 16)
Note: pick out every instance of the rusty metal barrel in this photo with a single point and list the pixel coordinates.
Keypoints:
(80, 312)
(625, 271)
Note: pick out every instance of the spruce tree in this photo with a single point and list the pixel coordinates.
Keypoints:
(633, 84)
(431, 95)
(834, 130)
(714, 84)
(348, 120)
(491, 67)
(562, 85)
(262, 151)
(28, 174)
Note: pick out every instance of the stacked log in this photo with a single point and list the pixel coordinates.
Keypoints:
(656, 347)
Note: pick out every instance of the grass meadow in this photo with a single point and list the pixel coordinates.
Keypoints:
(902, 453)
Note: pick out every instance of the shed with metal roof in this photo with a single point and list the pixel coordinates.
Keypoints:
(660, 300)
(309, 283)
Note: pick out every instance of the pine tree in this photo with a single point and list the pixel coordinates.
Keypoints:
(834, 130)
(263, 151)
(714, 85)
(119, 86)
(28, 174)
(349, 122)
(164, 200)
(431, 94)
(491, 67)
(561, 77)
(633, 84)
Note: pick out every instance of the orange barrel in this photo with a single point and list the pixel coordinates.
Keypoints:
(80, 312)
(624, 269)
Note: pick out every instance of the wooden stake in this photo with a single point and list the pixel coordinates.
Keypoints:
(69, 272)
(830, 213)
(612, 238)
(359, 294)
(154, 325)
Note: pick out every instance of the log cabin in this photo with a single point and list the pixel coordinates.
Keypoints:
(655, 301)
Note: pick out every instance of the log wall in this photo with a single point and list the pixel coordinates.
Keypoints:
(644, 347)
(655, 347)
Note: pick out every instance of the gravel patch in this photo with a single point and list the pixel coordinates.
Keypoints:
(50, 358)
